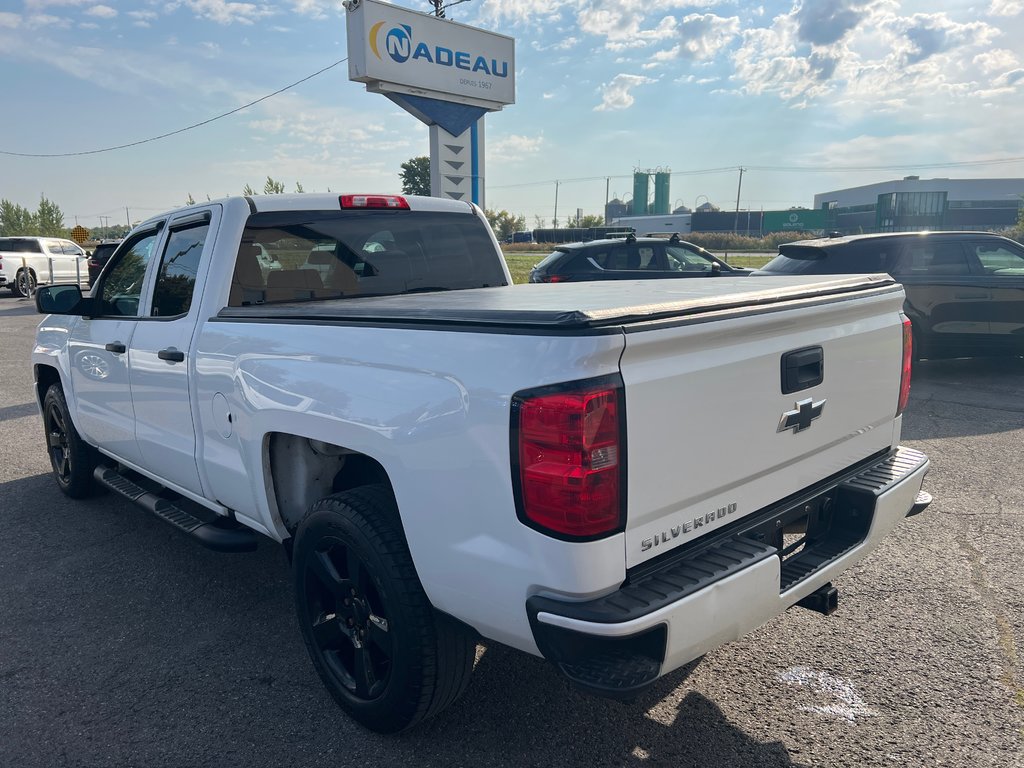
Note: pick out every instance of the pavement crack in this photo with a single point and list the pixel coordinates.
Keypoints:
(1009, 659)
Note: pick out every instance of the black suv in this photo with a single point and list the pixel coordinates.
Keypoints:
(99, 257)
(630, 258)
(965, 290)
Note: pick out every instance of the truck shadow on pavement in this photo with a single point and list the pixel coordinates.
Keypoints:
(125, 643)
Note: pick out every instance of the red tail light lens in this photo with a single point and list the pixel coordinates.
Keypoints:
(554, 278)
(908, 361)
(395, 202)
(569, 458)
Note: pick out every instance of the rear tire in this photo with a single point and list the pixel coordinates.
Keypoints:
(388, 659)
(71, 458)
(24, 283)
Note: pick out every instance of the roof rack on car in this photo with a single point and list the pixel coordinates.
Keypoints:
(673, 237)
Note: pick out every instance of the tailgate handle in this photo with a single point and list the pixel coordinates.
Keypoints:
(802, 369)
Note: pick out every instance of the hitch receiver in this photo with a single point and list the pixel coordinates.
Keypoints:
(824, 600)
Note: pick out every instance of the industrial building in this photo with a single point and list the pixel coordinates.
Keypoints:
(913, 203)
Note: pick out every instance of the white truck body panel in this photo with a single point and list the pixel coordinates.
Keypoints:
(423, 385)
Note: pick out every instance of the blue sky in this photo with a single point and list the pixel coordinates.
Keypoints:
(602, 87)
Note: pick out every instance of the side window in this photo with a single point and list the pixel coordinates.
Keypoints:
(684, 260)
(999, 259)
(867, 257)
(176, 279)
(934, 260)
(122, 284)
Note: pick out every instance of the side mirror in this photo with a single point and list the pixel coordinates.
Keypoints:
(59, 300)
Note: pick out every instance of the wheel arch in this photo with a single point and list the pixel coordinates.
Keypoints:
(303, 470)
(46, 376)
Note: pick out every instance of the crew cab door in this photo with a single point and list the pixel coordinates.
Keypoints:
(98, 351)
(160, 365)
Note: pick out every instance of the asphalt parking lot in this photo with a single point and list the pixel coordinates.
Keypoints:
(122, 643)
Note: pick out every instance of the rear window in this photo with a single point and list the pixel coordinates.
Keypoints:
(20, 246)
(865, 257)
(312, 255)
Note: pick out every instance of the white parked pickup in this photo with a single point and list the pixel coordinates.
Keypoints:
(618, 476)
(28, 261)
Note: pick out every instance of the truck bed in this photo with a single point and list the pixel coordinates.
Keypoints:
(574, 307)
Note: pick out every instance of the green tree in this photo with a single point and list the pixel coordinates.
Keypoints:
(248, 191)
(504, 223)
(15, 219)
(273, 187)
(591, 220)
(49, 219)
(298, 187)
(416, 176)
(190, 200)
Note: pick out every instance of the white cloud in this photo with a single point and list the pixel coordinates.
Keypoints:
(9, 20)
(314, 9)
(703, 36)
(39, 20)
(1006, 7)
(513, 147)
(89, 25)
(143, 15)
(101, 12)
(995, 60)
(223, 11)
(616, 94)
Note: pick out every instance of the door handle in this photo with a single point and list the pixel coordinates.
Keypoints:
(171, 355)
(116, 347)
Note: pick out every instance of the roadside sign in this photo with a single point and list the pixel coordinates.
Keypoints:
(80, 234)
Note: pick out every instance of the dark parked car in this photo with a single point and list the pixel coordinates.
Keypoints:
(99, 257)
(965, 290)
(630, 258)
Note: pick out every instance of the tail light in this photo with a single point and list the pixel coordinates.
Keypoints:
(396, 202)
(908, 361)
(568, 455)
(554, 278)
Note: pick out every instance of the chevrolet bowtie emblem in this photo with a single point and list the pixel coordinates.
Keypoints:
(801, 417)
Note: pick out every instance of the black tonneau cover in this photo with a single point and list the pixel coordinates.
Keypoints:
(567, 306)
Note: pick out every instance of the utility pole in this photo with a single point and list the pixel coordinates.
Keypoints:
(127, 217)
(438, 8)
(607, 185)
(736, 223)
(554, 222)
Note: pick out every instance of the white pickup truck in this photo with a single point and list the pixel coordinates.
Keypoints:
(618, 477)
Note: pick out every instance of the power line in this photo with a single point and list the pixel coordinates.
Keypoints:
(180, 130)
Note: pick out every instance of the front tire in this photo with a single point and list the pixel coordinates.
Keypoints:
(383, 653)
(72, 459)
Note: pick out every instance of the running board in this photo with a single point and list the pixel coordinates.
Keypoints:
(218, 533)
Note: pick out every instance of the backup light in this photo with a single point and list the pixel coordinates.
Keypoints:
(396, 202)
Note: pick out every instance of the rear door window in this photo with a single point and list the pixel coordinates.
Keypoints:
(933, 258)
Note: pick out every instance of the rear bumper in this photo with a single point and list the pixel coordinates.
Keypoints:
(718, 590)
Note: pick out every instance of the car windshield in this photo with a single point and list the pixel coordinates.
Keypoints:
(313, 255)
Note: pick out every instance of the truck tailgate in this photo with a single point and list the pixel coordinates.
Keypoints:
(711, 435)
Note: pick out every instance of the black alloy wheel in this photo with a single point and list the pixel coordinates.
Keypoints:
(385, 655)
(348, 621)
(72, 459)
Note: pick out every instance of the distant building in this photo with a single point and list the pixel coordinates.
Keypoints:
(614, 209)
(914, 203)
